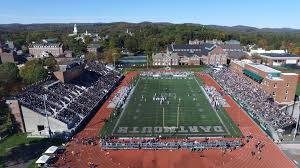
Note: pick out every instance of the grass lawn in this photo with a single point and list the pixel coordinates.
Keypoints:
(15, 140)
(20, 147)
(185, 112)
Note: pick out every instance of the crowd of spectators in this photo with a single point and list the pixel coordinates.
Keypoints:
(158, 144)
(71, 102)
(253, 98)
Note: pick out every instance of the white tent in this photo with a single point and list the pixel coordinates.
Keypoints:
(43, 159)
(51, 150)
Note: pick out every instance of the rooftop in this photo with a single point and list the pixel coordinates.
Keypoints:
(93, 46)
(187, 46)
(279, 55)
(264, 68)
(191, 50)
(242, 62)
(40, 45)
(229, 46)
(289, 74)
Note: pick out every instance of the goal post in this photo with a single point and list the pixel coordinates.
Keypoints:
(163, 117)
(178, 113)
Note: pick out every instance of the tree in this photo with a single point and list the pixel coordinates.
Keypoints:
(243, 57)
(89, 57)
(2, 91)
(131, 44)
(33, 71)
(262, 43)
(88, 40)
(9, 72)
(111, 55)
(296, 51)
(77, 46)
(50, 62)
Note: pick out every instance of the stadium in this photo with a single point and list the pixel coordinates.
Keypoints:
(173, 118)
(170, 105)
(149, 117)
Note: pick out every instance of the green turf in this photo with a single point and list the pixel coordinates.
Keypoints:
(195, 68)
(145, 117)
(298, 89)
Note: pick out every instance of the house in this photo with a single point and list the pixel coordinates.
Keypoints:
(195, 42)
(165, 59)
(9, 56)
(93, 48)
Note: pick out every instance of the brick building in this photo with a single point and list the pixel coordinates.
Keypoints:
(196, 54)
(188, 54)
(69, 70)
(282, 86)
(42, 50)
(214, 55)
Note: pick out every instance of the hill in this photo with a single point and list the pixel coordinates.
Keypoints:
(68, 26)
(248, 29)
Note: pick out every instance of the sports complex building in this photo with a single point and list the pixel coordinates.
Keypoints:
(282, 86)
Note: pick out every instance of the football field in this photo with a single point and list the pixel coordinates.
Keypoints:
(171, 107)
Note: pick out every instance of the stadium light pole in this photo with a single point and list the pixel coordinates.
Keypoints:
(147, 61)
(45, 98)
(114, 54)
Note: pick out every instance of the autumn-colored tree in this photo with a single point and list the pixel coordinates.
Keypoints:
(111, 55)
(90, 57)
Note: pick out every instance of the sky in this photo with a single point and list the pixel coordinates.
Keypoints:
(256, 13)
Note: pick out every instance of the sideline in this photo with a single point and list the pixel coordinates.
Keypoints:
(224, 125)
(126, 104)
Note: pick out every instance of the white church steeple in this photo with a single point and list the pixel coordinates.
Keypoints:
(75, 29)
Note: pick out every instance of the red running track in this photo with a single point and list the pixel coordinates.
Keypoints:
(271, 155)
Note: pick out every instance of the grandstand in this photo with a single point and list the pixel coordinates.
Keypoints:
(61, 106)
(256, 102)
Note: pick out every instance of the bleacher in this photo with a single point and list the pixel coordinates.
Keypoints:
(71, 102)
